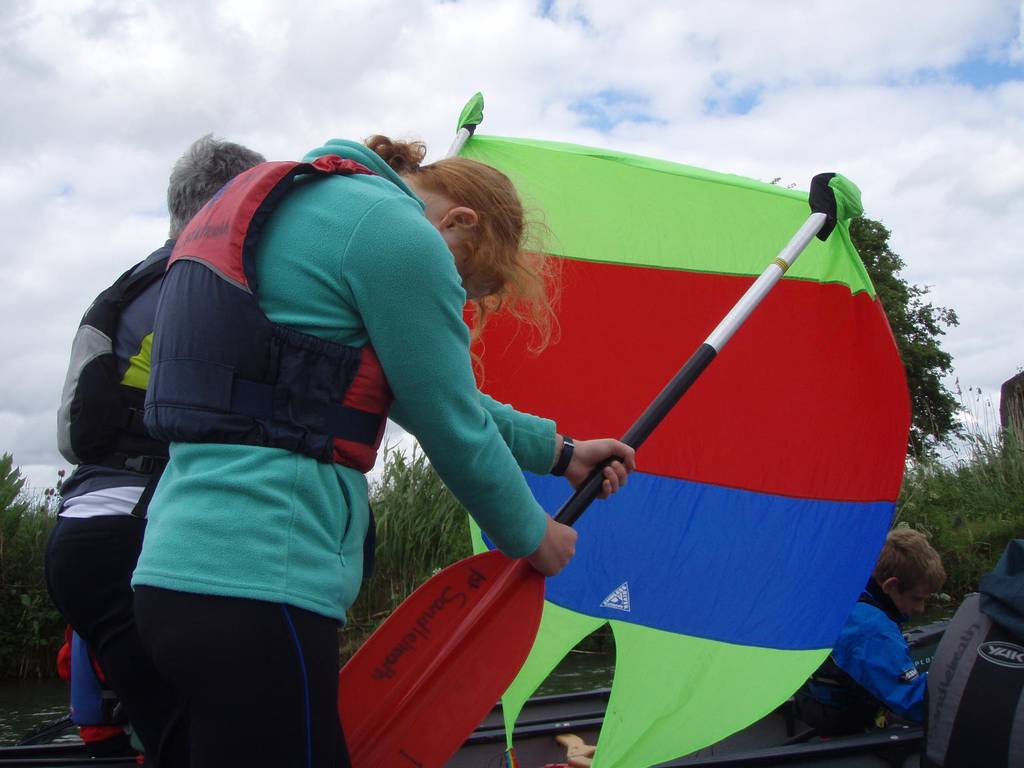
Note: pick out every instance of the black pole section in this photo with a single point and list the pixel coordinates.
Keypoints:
(641, 429)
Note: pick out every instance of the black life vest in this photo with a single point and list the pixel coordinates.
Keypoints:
(835, 704)
(100, 419)
(223, 372)
(975, 695)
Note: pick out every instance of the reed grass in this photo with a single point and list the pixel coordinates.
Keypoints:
(421, 528)
(970, 504)
(31, 629)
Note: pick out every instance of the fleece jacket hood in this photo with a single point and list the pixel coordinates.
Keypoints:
(353, 150)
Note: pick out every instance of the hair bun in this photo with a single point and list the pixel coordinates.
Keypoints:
(402, 156)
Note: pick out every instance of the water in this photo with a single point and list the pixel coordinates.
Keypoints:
(936, 611)
(26, 705)
(580, 671)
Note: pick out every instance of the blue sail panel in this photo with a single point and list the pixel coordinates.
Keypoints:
(719, 563)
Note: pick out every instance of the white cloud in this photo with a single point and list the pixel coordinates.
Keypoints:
(1016, 49)
(100, 98)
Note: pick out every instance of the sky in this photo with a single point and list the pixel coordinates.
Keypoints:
(920, 103)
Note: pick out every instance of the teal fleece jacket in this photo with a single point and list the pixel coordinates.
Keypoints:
(353, 260)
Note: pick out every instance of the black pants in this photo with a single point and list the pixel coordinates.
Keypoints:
(258, 681)
(89, 564)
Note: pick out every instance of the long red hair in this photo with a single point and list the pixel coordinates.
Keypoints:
(520, 282)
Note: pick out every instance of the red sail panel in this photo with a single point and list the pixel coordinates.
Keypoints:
(808, 399)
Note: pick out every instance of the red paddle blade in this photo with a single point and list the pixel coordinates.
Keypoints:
(422, 682)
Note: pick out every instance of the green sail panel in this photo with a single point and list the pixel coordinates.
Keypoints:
(599, 205)
(674, 694)
(560, 631)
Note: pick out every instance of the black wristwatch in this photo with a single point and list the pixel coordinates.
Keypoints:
(564, 457)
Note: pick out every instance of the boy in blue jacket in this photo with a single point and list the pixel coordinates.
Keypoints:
(870, 672)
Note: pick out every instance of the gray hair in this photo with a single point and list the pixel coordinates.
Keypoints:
(205, 167)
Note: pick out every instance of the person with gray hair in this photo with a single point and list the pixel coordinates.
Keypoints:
(205, 167)
(102, 517)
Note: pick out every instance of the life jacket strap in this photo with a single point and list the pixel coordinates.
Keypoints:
(256, 399)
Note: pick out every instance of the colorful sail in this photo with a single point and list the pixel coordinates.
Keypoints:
(729, 563)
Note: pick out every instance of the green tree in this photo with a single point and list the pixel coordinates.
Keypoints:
(917, 325)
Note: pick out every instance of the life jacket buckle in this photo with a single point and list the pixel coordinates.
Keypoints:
(142, 464)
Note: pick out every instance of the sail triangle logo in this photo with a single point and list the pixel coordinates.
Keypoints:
(618, 599)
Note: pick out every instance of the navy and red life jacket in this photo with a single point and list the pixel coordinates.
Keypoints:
(95, 708)
(223, 372)
(92, 700)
